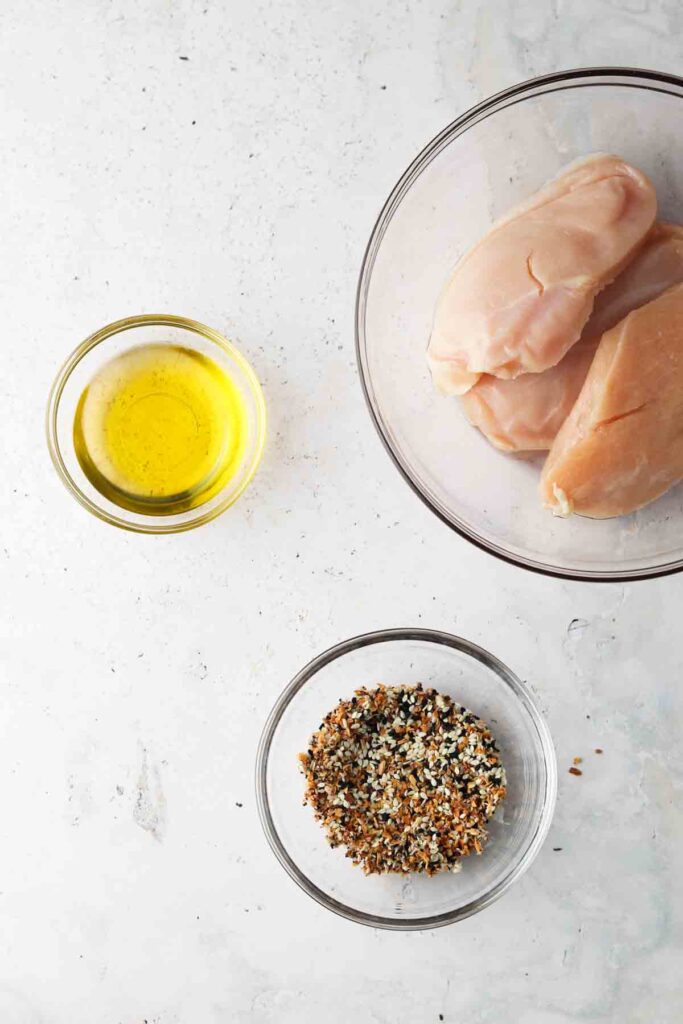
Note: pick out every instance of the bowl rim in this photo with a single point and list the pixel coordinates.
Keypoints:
(308, 673)
(618, 76)
(156, 525)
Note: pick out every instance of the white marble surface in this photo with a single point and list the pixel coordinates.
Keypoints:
(238, 186)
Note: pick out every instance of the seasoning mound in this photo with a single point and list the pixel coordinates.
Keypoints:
(404, 778)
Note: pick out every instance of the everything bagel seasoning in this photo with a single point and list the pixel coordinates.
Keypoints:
(404, 778)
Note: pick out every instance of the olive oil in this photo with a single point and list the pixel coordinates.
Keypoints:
(160, 429)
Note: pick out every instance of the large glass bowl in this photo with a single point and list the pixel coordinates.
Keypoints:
(473, 677)
(490, 158)
(108, 343)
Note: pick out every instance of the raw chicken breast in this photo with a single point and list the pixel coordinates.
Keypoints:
(622, 444)
(519, 299)
(526, 413)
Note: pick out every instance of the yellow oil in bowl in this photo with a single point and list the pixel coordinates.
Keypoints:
(160, 429)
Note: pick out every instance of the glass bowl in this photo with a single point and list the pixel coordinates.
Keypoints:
(474, 678)
(478, 167)
(106, 344)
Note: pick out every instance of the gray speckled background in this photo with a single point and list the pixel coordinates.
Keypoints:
(239, 186)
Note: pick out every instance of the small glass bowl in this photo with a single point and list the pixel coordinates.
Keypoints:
(471, 676)
(106, 344)
(495, 155)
